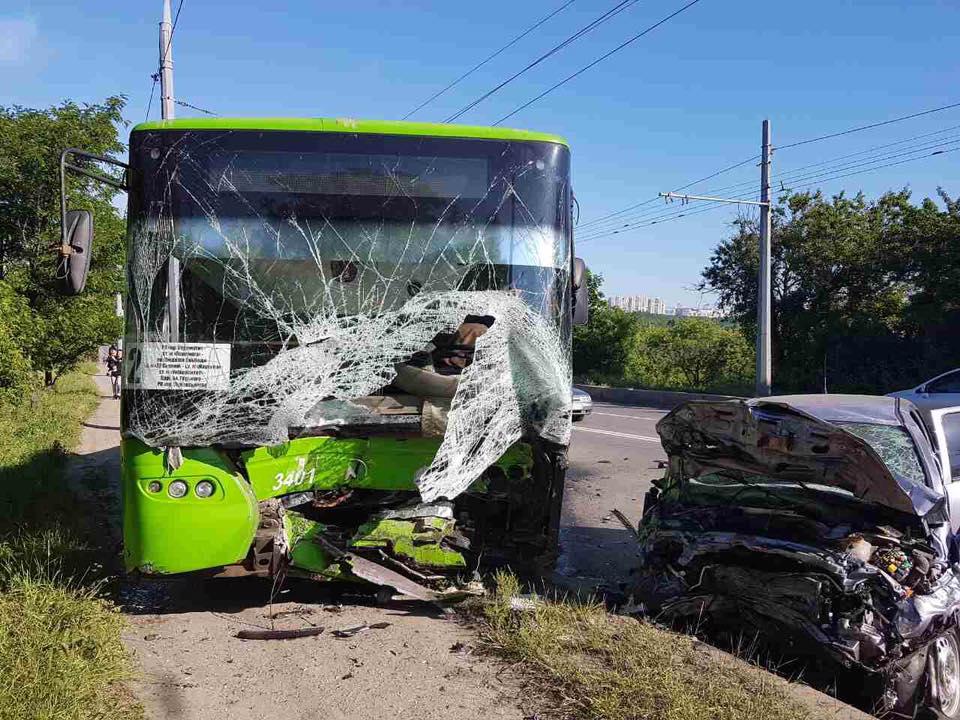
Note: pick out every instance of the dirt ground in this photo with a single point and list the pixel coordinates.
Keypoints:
(193, 667)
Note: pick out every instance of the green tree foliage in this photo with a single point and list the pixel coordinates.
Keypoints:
(601, 347)
(17, 335)
(691, 354)
(63, 329)
(866, 295)
(621, 348)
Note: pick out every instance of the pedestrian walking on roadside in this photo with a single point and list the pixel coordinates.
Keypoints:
(114, 361)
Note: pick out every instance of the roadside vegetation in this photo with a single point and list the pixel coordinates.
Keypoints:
(61, 655)
(658, 352)
(593, 664)
(866, 299)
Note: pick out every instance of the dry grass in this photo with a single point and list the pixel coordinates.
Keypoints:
(608, 667)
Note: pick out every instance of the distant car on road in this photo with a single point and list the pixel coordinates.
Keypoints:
(581, 404)
(939, 392)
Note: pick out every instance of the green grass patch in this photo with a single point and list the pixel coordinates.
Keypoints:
(593, 664)
(61, 655)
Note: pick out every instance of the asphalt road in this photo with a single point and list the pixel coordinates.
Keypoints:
(613, 458)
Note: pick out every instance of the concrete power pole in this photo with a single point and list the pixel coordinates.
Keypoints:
(764, 367)
(167, 113)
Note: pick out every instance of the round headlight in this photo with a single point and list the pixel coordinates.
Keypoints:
(177, 489)
(154, 486)
(204, 489)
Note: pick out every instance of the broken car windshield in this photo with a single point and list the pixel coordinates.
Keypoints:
(894, 446)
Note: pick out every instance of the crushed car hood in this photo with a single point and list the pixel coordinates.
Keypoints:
(777, 440)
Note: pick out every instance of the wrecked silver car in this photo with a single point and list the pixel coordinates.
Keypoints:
(826, 524)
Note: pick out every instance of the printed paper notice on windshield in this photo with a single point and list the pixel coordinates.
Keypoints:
(177, 366)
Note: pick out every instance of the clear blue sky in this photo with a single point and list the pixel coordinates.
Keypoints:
(680, 103)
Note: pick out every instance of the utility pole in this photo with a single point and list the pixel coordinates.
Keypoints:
(764, 367)
(764, 372)
(167, 113)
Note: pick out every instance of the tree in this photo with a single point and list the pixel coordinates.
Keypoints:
(864, 294)
(690, 354)
(67, 328)
(601, 347)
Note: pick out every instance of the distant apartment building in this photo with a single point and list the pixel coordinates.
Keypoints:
(705, 311)
(639, 303)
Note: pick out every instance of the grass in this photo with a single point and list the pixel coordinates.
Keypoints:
(61, 655)
(593, 664)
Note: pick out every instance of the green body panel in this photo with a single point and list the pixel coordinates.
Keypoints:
(326, 463)
(416, 540)
(349, 125)
(164, 535)
(305, 554)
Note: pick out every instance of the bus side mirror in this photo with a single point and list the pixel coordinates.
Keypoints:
(581, 293)
(75, 250)
(76, 226)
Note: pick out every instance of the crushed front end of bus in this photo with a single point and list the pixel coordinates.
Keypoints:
(347, 354)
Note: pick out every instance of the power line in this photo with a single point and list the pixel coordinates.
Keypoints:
(673, 215)
(789, 176)
(487, 59)
(600, 59)
(869, 127)
(184, 103)
(684, 187)
(612, 12)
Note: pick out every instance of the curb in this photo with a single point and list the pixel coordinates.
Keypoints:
(662, 399)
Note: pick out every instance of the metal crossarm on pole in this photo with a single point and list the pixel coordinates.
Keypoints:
(764, 371)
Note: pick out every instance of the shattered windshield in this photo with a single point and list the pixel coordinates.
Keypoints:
(318, 278)
(894, 446)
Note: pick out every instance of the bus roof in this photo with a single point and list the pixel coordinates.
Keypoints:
(349, 125)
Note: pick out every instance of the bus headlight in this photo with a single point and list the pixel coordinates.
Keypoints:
(204, 489)
(155, 486)
(177, 489)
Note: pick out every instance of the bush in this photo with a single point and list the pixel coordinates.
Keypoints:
(17, 332)
(690, 354)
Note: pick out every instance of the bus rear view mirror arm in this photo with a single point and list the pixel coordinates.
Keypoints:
(76, 226)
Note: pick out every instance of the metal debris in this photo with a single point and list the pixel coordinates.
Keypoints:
(349, 632)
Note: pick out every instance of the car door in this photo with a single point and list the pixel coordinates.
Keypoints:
(946, 430)
(941, 392)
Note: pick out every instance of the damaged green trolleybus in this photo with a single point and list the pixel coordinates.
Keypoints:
(347, 347)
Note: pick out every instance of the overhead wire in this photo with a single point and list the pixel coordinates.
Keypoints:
(600, 59)
(868, 127)
(487, 59)
(612, 12)
(835, 174)
(630, 214)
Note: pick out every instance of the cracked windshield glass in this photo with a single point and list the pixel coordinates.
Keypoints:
(325, 279)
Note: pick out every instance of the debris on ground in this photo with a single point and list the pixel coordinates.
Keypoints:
(349, 632)
(289, 634)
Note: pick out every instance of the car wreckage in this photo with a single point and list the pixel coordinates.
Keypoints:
(346, 348)
(825, 524)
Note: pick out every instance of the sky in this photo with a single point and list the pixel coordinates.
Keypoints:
(678, 104)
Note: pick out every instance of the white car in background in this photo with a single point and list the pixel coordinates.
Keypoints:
(940, 392)
(581, 404)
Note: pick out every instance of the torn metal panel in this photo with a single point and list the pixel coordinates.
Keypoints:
(776, 440)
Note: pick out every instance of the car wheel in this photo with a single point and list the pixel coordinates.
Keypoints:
(578, 418)
(944, 676)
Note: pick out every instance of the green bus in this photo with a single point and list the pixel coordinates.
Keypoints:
(346, 347)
